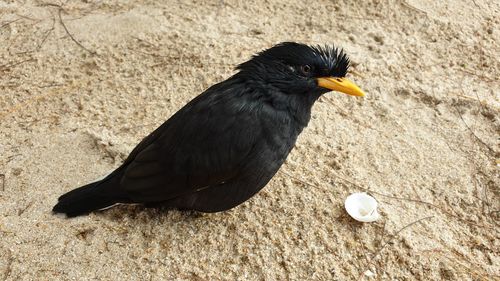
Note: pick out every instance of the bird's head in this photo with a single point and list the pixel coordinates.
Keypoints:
(296, 68)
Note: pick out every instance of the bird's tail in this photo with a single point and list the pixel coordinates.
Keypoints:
(90, 197)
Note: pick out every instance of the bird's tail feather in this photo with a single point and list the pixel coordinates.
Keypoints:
(88, 198)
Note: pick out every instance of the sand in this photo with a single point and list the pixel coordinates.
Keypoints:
(76, 96)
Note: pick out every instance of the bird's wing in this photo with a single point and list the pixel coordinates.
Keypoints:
(203, 144)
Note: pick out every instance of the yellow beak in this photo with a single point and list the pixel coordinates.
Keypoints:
(340, 85)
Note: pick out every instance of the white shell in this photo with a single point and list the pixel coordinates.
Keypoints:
(362, 207)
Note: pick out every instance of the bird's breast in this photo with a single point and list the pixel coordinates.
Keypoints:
(280, 134)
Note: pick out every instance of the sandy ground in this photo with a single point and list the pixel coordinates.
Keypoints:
(424, 142)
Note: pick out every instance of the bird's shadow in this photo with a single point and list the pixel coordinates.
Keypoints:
(143, 215)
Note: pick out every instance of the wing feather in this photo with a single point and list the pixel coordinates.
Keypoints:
(203, 144)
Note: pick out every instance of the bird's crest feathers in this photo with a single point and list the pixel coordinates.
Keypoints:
(331, 60)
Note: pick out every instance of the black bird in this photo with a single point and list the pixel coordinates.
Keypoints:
(226, 144)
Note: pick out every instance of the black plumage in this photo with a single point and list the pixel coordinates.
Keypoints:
(227, 143)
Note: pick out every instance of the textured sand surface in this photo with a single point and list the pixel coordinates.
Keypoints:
(424, 142)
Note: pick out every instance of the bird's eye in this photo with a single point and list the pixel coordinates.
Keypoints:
(306, 69)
